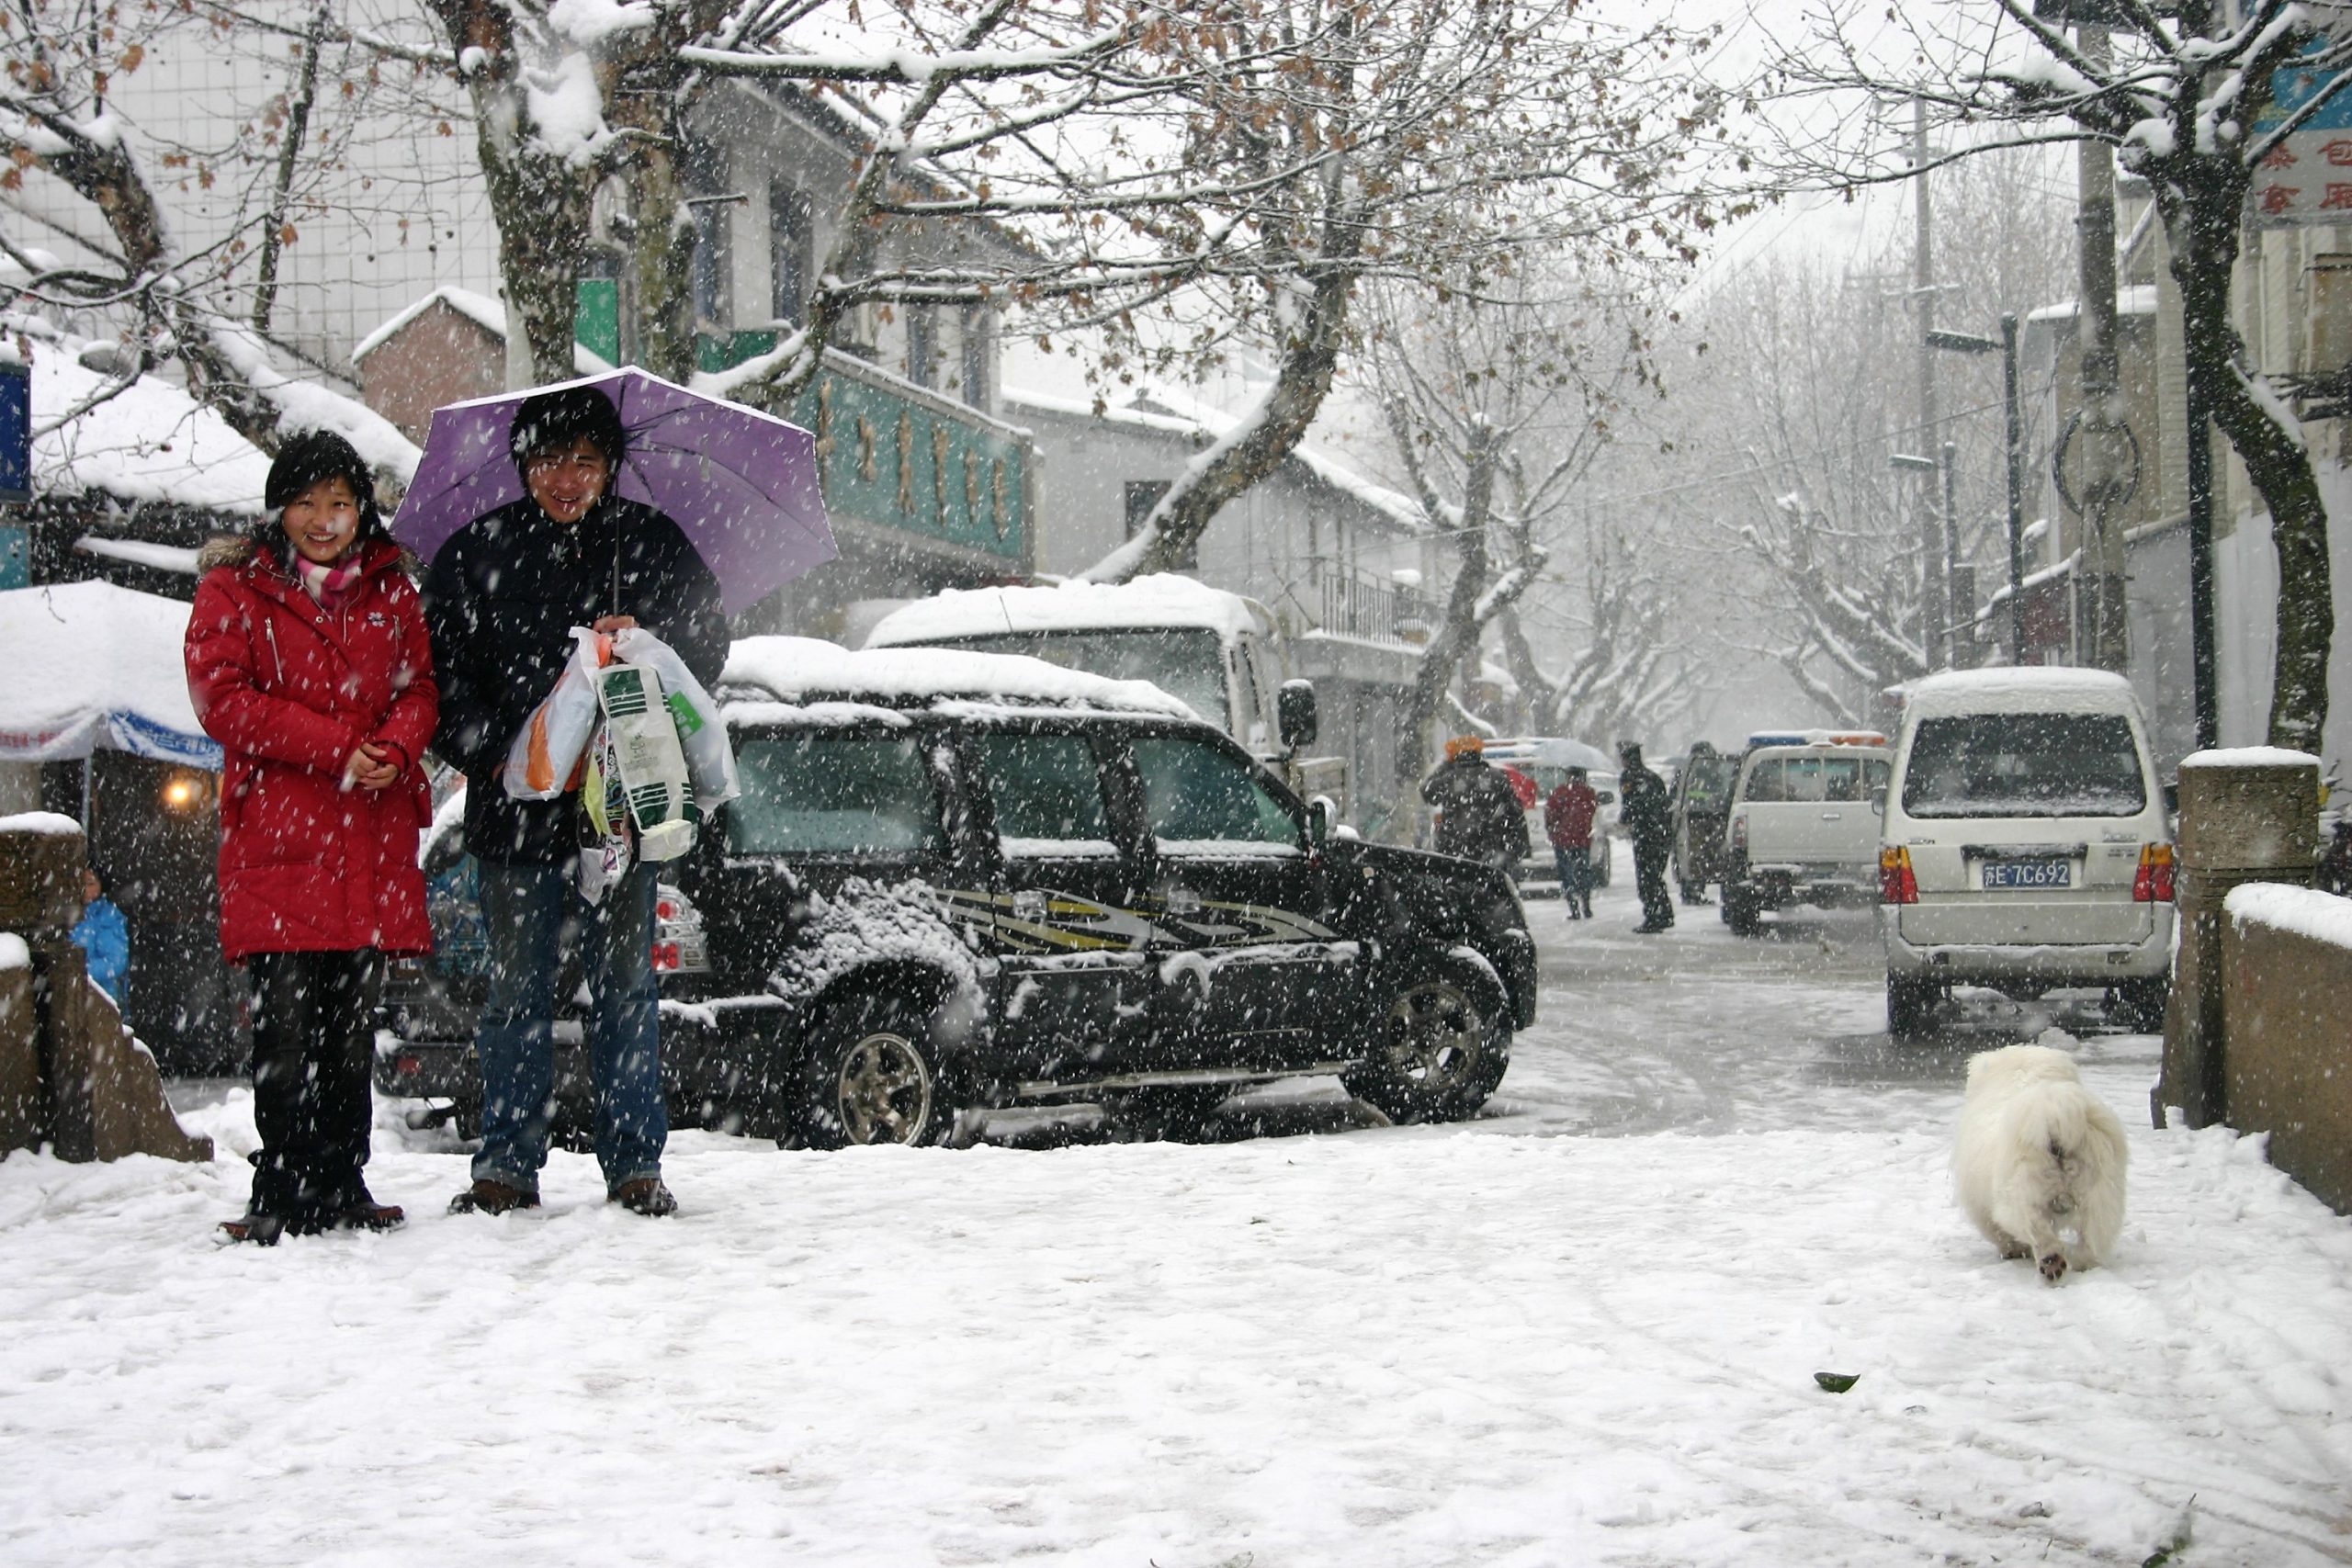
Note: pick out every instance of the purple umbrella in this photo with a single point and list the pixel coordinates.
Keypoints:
(740, 483)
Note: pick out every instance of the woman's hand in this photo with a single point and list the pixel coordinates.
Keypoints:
(373, 766)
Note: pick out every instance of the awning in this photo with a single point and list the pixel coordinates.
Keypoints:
(91, 665)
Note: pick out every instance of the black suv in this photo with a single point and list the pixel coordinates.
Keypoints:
(969, 880)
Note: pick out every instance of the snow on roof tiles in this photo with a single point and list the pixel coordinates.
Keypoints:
(149, 442)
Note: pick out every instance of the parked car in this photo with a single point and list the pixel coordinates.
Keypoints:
(958, 880)
(1542, 763)
(2025, 845)
(1800, 829)
(1701, 796)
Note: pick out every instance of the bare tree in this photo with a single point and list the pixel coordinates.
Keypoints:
(2185, 99)
(194, 308)
(1496, 405)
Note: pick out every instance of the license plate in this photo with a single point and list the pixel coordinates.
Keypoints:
(2028, 873)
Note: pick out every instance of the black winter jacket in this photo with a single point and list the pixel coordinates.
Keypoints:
(501, 601)
(1482, 817)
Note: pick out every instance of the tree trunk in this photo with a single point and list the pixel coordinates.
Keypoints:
(2203, 230)
(1309, 359)
(1459, 633)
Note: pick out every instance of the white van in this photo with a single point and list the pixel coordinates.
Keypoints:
(2024, 844)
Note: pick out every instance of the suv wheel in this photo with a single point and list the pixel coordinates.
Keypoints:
(1441, 1047)
(873, 1077)
(1908, 1004)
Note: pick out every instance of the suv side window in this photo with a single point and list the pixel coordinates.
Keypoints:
(830, 792)
(1047, 793)
(1766, 781)
(1194, 796)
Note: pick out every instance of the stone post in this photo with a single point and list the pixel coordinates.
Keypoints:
(2246, 816)
(70, 1075)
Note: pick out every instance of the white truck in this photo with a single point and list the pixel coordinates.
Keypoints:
(1220, 653)
(1802, 830)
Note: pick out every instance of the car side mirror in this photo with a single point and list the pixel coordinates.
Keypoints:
(2172, 799)
(1605, 796)
(1295, 713)
(1320, 815)
(1878, 801)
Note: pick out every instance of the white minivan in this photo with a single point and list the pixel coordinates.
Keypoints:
(2024, 844)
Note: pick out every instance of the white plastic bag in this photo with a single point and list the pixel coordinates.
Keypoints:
(640, 751)
(702, 731)
(543, 760)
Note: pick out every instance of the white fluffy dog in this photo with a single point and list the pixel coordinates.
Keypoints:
(2038, 1159)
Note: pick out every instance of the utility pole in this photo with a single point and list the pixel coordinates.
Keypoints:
(1934, 567)
(2100, 635)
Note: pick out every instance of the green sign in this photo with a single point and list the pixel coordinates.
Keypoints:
(596, 317)
(895, 459)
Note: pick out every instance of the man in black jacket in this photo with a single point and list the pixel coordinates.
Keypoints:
(1647, 814)
(501, 601)
(1479, 815)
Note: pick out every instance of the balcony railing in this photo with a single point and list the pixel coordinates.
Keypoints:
(1361, 605)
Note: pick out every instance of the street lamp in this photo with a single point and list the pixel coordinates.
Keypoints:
(1931, 637)
(1964, 343)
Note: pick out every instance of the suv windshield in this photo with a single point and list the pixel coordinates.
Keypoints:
(1186, 662)
(2024, 764)
(1815, 779)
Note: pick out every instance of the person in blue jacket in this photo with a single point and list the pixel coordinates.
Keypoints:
(105, 936)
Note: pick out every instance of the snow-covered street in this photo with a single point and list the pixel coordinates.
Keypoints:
(1584, 1329)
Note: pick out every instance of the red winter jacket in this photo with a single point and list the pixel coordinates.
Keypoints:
(308, 863)
(1567, 816)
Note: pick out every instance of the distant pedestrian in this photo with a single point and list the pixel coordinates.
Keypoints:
(308, 661)
(1568, 811)
(104, 936)
(1479, 816)
(1648, 813)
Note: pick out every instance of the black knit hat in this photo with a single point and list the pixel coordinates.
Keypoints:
(562, 417)
(316, 454)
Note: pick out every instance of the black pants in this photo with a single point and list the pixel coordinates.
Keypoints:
(313, 1032)
(1649, 874)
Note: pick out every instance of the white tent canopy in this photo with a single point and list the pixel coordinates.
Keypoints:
(86, 665)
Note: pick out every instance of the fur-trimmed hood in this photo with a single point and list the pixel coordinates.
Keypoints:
(235, 550)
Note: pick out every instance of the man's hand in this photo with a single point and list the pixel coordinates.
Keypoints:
(609, 623)
(372, 767)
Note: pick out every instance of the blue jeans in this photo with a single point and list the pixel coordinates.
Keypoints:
(524, 909)
(1575, 879)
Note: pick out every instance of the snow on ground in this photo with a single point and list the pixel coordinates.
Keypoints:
(1404, 1346)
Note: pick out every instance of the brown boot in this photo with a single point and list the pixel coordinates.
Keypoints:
(647, 1196)
(487, 1197)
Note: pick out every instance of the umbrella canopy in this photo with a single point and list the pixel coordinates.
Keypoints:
(740, 483)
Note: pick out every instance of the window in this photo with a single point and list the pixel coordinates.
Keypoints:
(833, 793)
(1766, 779)
(2025, 764)
(791, 235)
(1047, 793)
(1196, 797)
(1188, 663)
(704, 169)
(923, 344)
(974, 344)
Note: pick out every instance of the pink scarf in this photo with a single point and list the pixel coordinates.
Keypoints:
(330, 585)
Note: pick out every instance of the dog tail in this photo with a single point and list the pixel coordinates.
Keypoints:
(2085, 1145)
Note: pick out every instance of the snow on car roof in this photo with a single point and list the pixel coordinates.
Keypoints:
(2020, 689)
(1164, 599)
(811, 676)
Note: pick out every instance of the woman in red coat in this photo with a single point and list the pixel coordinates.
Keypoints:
(308, 661)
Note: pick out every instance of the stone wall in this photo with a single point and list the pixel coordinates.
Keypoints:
(2286, 1001)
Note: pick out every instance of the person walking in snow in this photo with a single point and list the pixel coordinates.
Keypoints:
(1648, 814)
(1569, 812)
(501, 599)
(1479, 816)
(308, 661)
